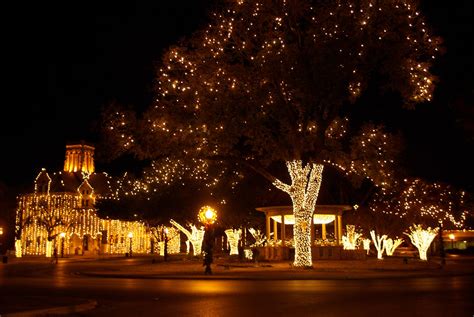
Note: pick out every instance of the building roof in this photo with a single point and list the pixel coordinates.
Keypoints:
(319, 209)
(70, 181)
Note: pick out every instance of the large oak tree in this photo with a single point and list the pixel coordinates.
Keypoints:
(275, 82)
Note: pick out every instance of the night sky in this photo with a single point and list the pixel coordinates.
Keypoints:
(66, 61)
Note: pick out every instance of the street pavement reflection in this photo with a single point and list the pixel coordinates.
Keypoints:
(430, 296)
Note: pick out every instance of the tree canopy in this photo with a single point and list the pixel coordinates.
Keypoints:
(273, 81)
(415, 200)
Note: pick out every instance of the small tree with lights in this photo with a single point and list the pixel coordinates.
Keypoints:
(195, 236)
(421, 239)
(49, 220)
(391, 245)
(416, 201)
(350, 239)
(378, 243)
(268, 84)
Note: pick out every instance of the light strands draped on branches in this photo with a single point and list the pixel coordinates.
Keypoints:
(222, 86)
(259, 237)
(421, 239)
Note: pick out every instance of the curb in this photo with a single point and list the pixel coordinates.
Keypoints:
(339, 276)
(61, 310)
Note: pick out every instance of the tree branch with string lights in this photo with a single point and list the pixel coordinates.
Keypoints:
(414, 200)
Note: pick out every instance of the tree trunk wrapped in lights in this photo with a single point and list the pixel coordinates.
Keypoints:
(44, 216)
(304, 190)
(349, 240)
(378, 243)
(167, 237)
(391, 245)
(161, 248)
(421, 239)
(49, 248)
(233, 237)
(195, 237)
(248, 254)
(366, 243)
(18, 251)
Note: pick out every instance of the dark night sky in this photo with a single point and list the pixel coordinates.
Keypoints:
(64, 62)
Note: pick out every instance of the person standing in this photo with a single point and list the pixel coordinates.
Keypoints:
(55, 254)
(208, 246)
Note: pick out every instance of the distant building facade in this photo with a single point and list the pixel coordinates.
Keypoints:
(59, 213)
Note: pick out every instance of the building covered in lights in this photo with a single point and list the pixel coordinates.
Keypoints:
(59, 213)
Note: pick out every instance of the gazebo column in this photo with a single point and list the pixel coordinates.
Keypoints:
(336, 232)
(268, 229)
(268, 225)
(323, 231)
(339, 227)
(275, 230)
(283, 233)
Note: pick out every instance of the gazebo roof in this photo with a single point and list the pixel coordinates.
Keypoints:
(319, 209)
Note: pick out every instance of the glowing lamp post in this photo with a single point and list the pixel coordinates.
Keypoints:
(452, 237)
(1, 236)
(130, 236)
(208, 216)
(62, 235)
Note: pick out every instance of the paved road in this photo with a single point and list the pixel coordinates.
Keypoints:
(434, 296)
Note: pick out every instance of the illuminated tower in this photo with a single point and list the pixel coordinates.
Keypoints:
(79, 158)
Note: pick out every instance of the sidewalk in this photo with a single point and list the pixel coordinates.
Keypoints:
(327, 269)
(40, 306)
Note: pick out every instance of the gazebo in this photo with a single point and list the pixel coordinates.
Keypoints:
(281, 216)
